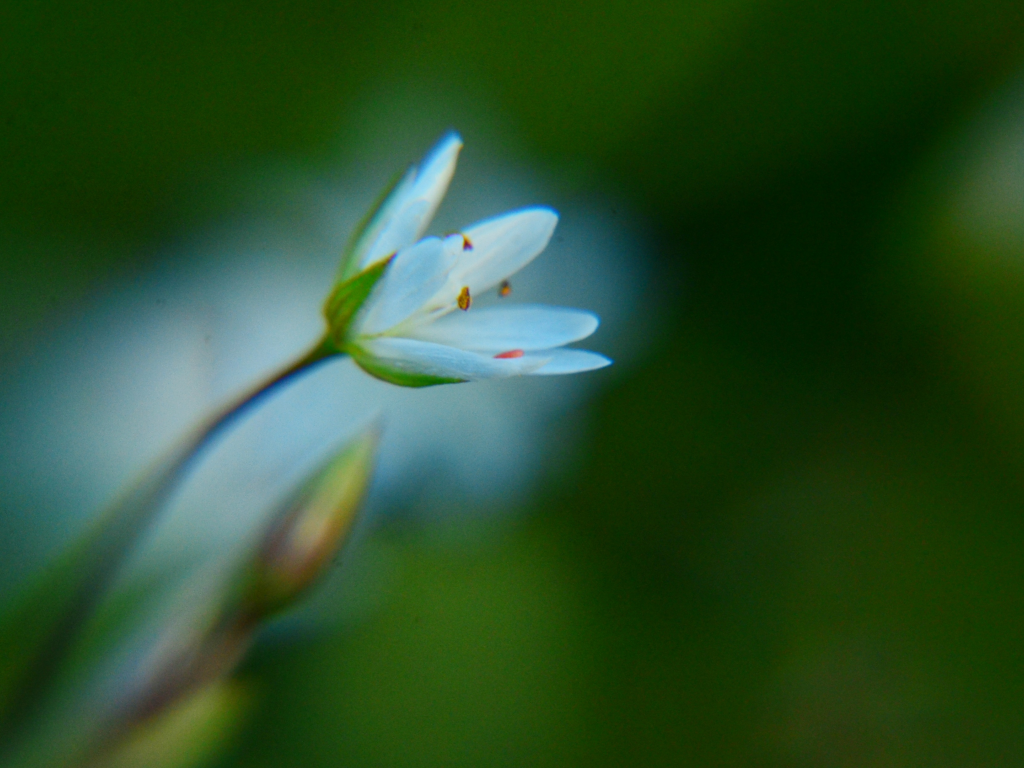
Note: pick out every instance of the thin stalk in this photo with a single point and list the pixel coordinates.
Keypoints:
(123, 524)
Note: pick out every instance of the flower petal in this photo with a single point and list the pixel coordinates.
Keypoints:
(424, 358)
(407, 212)
(415, 275)
(435, 173)
(499, 329)
(401, 232)
(568, 361)
(502, 246)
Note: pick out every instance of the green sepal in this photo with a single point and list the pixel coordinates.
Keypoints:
(380, 370)
(367, 229)
(347, 298)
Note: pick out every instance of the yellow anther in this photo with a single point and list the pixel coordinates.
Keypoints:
(504, 289)
(465, 300)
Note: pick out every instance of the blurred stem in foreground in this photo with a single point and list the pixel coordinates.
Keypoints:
(177, 692)
(38, 628)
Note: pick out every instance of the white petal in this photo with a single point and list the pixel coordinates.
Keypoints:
(500, 329)
(502, 246)
(408, 211)
(568, 361)
(435, 173)
(401, 232)
(364, 249)
(416, 274)
(429, 359)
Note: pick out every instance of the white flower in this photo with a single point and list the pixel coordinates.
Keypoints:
(404, 309)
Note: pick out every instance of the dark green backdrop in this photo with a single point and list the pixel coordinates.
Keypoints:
(796, 536)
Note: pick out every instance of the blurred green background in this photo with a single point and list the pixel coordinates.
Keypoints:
(795, 535)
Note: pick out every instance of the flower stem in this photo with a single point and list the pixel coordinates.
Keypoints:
(97, 558)
(192, 447)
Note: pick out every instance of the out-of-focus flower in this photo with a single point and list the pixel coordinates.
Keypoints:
(394, 310)
(307, 533)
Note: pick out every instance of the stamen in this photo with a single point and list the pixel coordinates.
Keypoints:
(510, 355)
(464, 300)
(466, 245)
(504, 289)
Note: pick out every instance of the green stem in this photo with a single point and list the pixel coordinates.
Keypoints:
(202, 436)
(121, 526)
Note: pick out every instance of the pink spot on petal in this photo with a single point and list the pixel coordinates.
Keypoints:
(510, 355)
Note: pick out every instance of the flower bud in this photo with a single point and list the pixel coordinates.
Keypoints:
(311, 528)
(202, 644)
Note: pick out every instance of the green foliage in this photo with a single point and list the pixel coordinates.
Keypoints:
(30, 619)
(794, 537)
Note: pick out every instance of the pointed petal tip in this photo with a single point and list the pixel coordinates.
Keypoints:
(446, 147)
(544, 212)
(593, 322)
(598, 361)
(572, 361)
(546, 219)
(450, 137)
(538, 215)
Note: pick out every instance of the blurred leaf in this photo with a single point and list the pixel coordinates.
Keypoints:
(954, 267)
(26, 622)
(30, 619)
(482, 657)
(44, 618)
